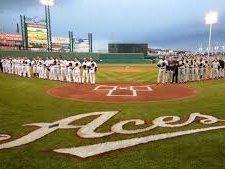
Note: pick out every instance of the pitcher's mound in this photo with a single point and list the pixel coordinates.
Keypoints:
(122, 92)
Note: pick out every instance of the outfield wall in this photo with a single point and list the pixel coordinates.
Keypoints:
(105, 58)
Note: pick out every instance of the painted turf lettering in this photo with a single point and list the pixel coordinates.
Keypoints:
(88, 131)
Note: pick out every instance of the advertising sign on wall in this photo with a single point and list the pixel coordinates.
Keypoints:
(60, 44)
(81, 45)
(10, 41)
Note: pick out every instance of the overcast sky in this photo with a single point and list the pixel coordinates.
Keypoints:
(177, 24)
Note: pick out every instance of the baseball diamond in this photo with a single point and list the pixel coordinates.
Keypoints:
(117, 107)
(112, 84)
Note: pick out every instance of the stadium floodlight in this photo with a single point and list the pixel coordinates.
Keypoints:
(210, 19)
(47, 2)
(200, 49)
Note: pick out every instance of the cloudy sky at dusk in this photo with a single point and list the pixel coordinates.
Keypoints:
(176, 24)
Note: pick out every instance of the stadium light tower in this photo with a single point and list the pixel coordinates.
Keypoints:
(48, 4)
(210, 19)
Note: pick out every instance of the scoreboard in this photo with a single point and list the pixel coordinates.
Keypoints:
(128, 48)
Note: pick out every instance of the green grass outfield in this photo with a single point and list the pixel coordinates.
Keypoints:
(24, 101)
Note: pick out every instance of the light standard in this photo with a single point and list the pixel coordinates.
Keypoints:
(210, 19)
(223, 48)
(48, 4)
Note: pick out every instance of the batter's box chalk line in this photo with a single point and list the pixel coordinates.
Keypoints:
(133, 89)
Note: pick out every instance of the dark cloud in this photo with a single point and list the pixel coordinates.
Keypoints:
(8, 5)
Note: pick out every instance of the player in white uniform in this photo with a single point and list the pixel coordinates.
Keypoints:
(70, 66)
(92, 68)
(47, 64)
(41, 69)
(17, 66)
(56, 70)
(3, 65)
(20, 67)
(13, 66)
(85, 77)
(34, 64)
(51, 68)
(26, 70)
(76, 71)
(63, 69)
(8, 65)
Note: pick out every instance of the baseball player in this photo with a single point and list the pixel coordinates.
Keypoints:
(169, 70)
(92, 69)
(221, 68)
(181, 71)
(41, 69)
(51, 69)
(56, 72)
(191, 70)
(70, 71)
(35, 65)
(47, 64)
(63, 69)
(162, 64)
(76, 71)
(215, 69)
(187, 70)
(27, 67)
(20, 67)
(85, 77)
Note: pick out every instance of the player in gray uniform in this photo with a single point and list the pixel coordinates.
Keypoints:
(191, 70)
(162, 64)
(169, 70)
(215, 69)
(196, 70)
(221, 68)
(201, 65)
(181, 71)
(187, 70)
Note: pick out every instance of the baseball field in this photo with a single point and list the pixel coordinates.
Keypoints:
(64, 132)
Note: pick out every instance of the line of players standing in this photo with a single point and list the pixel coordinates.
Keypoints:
(182, 70)
(52, 68)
